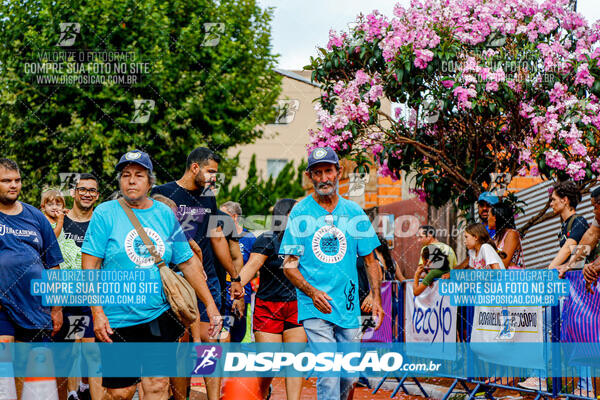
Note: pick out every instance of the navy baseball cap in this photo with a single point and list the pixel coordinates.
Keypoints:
(322, 155)
(136, 157)
(488, 198)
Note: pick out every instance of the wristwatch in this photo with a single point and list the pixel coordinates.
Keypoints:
(238, 279)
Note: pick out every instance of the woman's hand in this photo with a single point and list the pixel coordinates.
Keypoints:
(215, 320)
(102, 327)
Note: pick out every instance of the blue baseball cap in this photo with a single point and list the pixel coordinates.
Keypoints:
(136, 157)
(322, 155)
(488, 198)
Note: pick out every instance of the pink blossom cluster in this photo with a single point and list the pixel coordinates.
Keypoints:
(336, 40)
(375, 26)
(555, 159)
(576, 170)
(558, 121)
(354, 101)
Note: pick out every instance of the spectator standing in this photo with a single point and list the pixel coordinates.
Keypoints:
(110, 243)
(324, 235)
(28, 246)
(196, 205)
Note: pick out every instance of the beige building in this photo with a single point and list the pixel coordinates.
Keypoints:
(286, 139)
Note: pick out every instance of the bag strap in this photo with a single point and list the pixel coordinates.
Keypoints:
(571, 221)
(143, 235)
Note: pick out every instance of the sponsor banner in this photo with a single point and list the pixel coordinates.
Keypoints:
(513, 324)
(429, 318)
(276, 359)
(581, 319)
(384, 333)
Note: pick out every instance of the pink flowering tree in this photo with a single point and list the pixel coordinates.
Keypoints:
(481, 87)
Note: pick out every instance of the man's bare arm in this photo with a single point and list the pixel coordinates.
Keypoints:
(374, 276)
(588, 241)
(236, 255)
(221, 250)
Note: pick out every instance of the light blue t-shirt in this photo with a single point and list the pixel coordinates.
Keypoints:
(327, 246)
(112, 237)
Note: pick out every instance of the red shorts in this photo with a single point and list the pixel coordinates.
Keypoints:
(275, 316)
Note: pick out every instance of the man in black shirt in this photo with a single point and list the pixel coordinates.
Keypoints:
(196, 205)
(85, 194)
(78, 320)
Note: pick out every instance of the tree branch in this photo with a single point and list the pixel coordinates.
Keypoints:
(538, 218)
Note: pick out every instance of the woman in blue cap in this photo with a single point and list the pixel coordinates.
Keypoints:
(112, 242)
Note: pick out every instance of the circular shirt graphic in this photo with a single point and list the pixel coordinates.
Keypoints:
(329, 244)
(137, 251)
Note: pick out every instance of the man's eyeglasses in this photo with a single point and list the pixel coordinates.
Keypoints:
(82, 191)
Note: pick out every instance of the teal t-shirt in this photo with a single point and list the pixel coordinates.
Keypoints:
(327, 246)
(112, 237)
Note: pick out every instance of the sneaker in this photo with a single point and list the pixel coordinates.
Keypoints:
(534, 384)
(72, 396)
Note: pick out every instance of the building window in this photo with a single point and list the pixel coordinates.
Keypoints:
(275, 165)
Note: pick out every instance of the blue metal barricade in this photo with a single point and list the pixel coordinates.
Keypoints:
(580, 386)
(398, 337)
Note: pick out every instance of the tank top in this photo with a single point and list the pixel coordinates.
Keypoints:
(516, 262)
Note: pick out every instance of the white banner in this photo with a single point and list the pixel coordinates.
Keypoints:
(429, 318)
(508, 324)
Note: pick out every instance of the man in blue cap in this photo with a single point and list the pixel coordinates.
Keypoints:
(484, 204)
(324, 235)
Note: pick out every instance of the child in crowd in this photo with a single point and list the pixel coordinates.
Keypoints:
(53, 206)
(435, 264)
(483, 253)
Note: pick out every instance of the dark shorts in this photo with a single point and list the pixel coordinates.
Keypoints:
(166, 328)
(77, 324)
(275, 316)
(9, 328)
(215, 290)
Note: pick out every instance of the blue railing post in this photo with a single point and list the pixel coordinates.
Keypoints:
(555, 329)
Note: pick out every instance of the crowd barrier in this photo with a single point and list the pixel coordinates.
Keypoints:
(580, 323)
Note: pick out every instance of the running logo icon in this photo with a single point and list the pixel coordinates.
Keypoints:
(212, 33)
(206, 362)
(142, 111)
(68, 33)
(507, 331)
(77, 326)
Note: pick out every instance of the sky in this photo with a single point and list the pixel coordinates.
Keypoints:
(299, 27)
